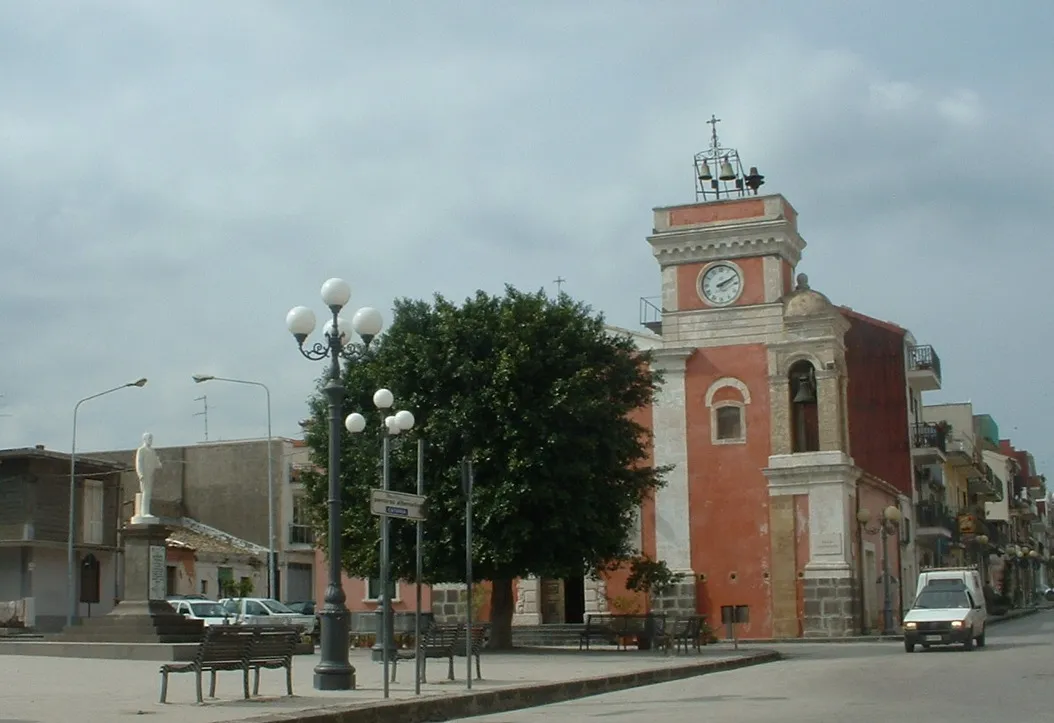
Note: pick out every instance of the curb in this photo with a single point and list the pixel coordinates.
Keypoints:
(1013, 615)
(436, 709)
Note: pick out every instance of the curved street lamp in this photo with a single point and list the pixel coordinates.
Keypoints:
(334, 671)
(272, 561)
(71, 592)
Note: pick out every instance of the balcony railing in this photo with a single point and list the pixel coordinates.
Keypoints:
(924, 358)
(301, 535)
(651, 314)
(930, 514)
(925, 435)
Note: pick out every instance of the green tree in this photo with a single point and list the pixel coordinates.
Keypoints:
(539, 395)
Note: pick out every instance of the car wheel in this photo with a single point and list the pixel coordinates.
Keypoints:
(909, 647)
(980, 639)
(968, 644)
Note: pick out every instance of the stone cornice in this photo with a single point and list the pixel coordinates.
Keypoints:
(702, 244)
(793, 474)
(671, 358)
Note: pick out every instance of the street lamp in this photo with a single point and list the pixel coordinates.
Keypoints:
(888, 526)
(391, 426)
(272, 563)
(70, 557)
(334, 671)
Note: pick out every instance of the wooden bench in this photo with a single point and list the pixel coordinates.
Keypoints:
(683, 632)
(273, 649)
(224, 647)
(445, 641)
(238, 647)
(618, 630)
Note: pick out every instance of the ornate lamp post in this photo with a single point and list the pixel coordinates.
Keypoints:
(888, 526)
(334, 671)
(392, 425)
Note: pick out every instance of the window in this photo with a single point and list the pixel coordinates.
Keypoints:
(252, 607)
(300, 530)
(171, 578)
(373, 590)
(225, 581)
(729, 422)
(727, 399)
(204, 587)
(93, 499)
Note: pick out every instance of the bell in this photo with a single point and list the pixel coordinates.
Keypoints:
(704, 171)
(727, 173)
(805, 394)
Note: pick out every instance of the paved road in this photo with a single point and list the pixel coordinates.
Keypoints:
(1009, 681)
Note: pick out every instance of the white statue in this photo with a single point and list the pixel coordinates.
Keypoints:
(147, 463)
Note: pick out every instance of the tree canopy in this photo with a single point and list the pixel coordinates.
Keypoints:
(539, 394)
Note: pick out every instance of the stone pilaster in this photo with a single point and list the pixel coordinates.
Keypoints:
(449, 602)
(829, 412)
(779, 411)
(679, 600)
(672, 536)
(596, 596)
(832, 606)
(527, 610)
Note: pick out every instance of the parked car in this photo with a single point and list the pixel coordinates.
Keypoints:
(190, 596)
(949, 610)
(209, 612)
(266, 611)
(307, 607)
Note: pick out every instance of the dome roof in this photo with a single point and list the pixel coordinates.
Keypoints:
(804, 301)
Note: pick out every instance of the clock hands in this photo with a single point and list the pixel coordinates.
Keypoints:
(727, 281)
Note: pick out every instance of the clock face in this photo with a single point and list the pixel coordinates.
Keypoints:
(721, 284)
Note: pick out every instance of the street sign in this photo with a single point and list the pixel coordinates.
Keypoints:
(398, 504)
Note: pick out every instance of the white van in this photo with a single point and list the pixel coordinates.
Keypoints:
(949, 609)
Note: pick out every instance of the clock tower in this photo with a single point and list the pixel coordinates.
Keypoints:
(752, 381)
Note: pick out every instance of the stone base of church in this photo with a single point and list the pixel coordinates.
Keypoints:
(832, 606)
(679, 600)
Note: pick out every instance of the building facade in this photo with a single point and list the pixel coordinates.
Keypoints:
(34, 534)
(224, 485)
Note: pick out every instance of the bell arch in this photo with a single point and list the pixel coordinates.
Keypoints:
(804, 406)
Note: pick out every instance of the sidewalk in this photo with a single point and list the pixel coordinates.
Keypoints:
(60, 690)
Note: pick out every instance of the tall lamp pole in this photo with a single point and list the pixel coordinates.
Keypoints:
(71, 592)
(888, 526)
(334, 671)
(393, 424)
(272, 560)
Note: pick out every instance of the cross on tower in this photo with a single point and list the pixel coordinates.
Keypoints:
(714, 120)
(559, 281)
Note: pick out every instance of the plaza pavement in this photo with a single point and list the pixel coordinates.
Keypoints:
(76, 690)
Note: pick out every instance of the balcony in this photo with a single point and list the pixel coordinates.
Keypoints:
(301, 535)
(934, 519)
(928, 443)
(650, 314)
(987, 485)
(924, 368)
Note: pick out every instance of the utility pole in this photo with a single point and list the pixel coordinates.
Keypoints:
(204, 413)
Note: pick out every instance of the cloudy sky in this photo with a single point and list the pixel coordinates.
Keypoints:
(175, 176)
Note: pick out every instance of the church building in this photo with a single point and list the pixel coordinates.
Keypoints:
(787, 424)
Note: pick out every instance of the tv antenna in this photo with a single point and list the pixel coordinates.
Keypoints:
(204, 399)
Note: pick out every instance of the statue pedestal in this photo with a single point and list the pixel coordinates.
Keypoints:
(144, 616)
(139, 519)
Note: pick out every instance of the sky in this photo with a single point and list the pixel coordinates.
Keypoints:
(175, 176)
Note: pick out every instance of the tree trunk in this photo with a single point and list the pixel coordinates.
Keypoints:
(501, 609)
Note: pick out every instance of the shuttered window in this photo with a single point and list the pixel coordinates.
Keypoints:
(92, 510)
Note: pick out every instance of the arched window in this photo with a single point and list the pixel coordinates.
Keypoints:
(804, 409)
(727, 399)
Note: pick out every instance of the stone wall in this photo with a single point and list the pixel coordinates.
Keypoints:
(679, 599)
(449, 603)
(832, 607)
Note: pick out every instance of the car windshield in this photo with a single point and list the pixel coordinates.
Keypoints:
(275, 607)
(207, 609)
(934, 599)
